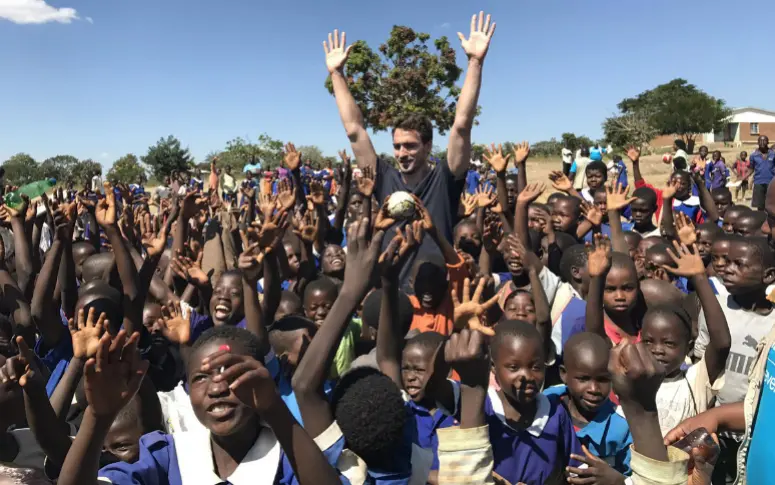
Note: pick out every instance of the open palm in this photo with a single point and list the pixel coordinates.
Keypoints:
(336, 52)
(478, 41)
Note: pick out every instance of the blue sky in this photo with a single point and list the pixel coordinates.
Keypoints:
(101, 78)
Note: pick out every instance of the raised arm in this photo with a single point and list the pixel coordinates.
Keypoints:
(343, 198)
(633, 154)
(336, 57)
(499, 162)
(598, 264)
(706, 200)
(616, 201)
(524, 199)
(309, 376)
(689, 264)
(521, 152)
(388, 332)
(476, 46)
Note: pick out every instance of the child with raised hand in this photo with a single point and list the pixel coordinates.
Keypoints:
(367, 409)
(585, 393)
(614, 304)
(232, 394)
(432, 399)
(667, 334)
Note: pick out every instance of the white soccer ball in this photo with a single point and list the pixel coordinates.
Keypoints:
(401, 205)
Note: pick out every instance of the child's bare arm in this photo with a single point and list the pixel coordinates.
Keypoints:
(45, 315)
(499, 162)
(343, 197)
(309, 376)
(24, 266)
(706, 200)
(521, 153)
(598, 264)
(543, 312)
(633, 153)
(465, 352)
(616, 201)
(524, 199)
(689, 264)
(388, 334)
(666, 225)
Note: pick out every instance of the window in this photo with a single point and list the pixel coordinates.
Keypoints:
(754, 128)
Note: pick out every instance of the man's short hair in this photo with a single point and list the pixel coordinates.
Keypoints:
(419, 123)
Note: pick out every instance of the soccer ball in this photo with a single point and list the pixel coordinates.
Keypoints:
(667, 158)
(401, 205)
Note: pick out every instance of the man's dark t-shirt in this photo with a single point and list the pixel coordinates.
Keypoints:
(439, 191)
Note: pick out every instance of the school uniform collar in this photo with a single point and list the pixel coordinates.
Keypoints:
(692, 201)
(439, 406)
(539, 421)
(195, 459)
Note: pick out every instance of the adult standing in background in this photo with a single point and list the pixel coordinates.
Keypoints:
(762, 170)
(567, 160)
(578, 170)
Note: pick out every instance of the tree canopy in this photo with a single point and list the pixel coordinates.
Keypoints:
(21, 169)
(59, 167)
(404, 76)
(673, 108)
(167, 156)
(127, 170)
(84, 170)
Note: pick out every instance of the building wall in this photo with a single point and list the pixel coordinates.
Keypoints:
(767, 129)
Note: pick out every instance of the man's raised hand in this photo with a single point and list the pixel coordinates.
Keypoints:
(478, 41)
(336, 52)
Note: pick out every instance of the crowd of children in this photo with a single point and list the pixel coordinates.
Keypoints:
(294, 334)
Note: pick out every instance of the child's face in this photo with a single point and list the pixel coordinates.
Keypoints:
(294, 354)
(288, 307)
(355, 206)
(417, 373)
(716, 156)
(666, 340)
(730, 219)
(653, 264)
(621, 291)
(520, 307)
(601, 202)
(719, 251)
(595, 179)
(704, 243)
(642, 212)
(511, 192)
(588, 380)
(748, 225)
(513, 261)
(214, 404)
(742, 270)
(683, 185)
(227, 302)
(333, 260)
(537, 219)
(633, 239)
(468, 239)
(743, 156)
(520, 369)
(703, 151)
(565, 216)
(427, 287)
(317, 304)
(293, 259)
(123, 438)
(723, 201)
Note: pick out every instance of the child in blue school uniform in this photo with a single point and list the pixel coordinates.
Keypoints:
(531, 434)
(251, 436)
(584, 392)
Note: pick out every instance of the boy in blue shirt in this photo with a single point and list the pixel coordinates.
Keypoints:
(584, 392)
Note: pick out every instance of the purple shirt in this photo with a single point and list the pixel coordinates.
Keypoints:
(200, 323)
(718, 176)
(538, 454)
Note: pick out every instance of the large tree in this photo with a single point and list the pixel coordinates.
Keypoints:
(632, 128)
(59, 167)
(678, 108)
(127, 169)
(240, 152)
(311, 152)
(21, 169)
(404, 76)
(167, 156)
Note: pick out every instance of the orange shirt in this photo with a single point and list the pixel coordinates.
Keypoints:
(441, 320)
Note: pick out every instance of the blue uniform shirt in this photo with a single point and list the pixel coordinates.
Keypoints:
(762, 451)
(167, 461)
(763, 166)
(607, 436)
(538, 454)
(472, 181)
(428, 422)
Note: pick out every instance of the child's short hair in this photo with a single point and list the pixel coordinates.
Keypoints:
(632, 238)
(563, 240)
(573, 257)
(647, 195)
(371, 310)
(597, 166)
(711, 228)
(370, 411)
(540, 206)
(761, 245)
(290, 300)
(281, 335)
(673, 311)
(553, 197)
(324, 285)
(623, 261)
(240, 336)
(679, 163)
(512, 329)
(584, 341)
(429, 341)
(721, 191)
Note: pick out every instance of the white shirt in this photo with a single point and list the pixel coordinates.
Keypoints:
(567, 156)
(96, 184)
(686, 396)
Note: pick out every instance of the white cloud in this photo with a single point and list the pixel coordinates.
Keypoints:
(104, 155)
(89, 19)
(35, 12)
(443, 26)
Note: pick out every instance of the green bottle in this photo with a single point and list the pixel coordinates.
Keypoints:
(33, 190)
